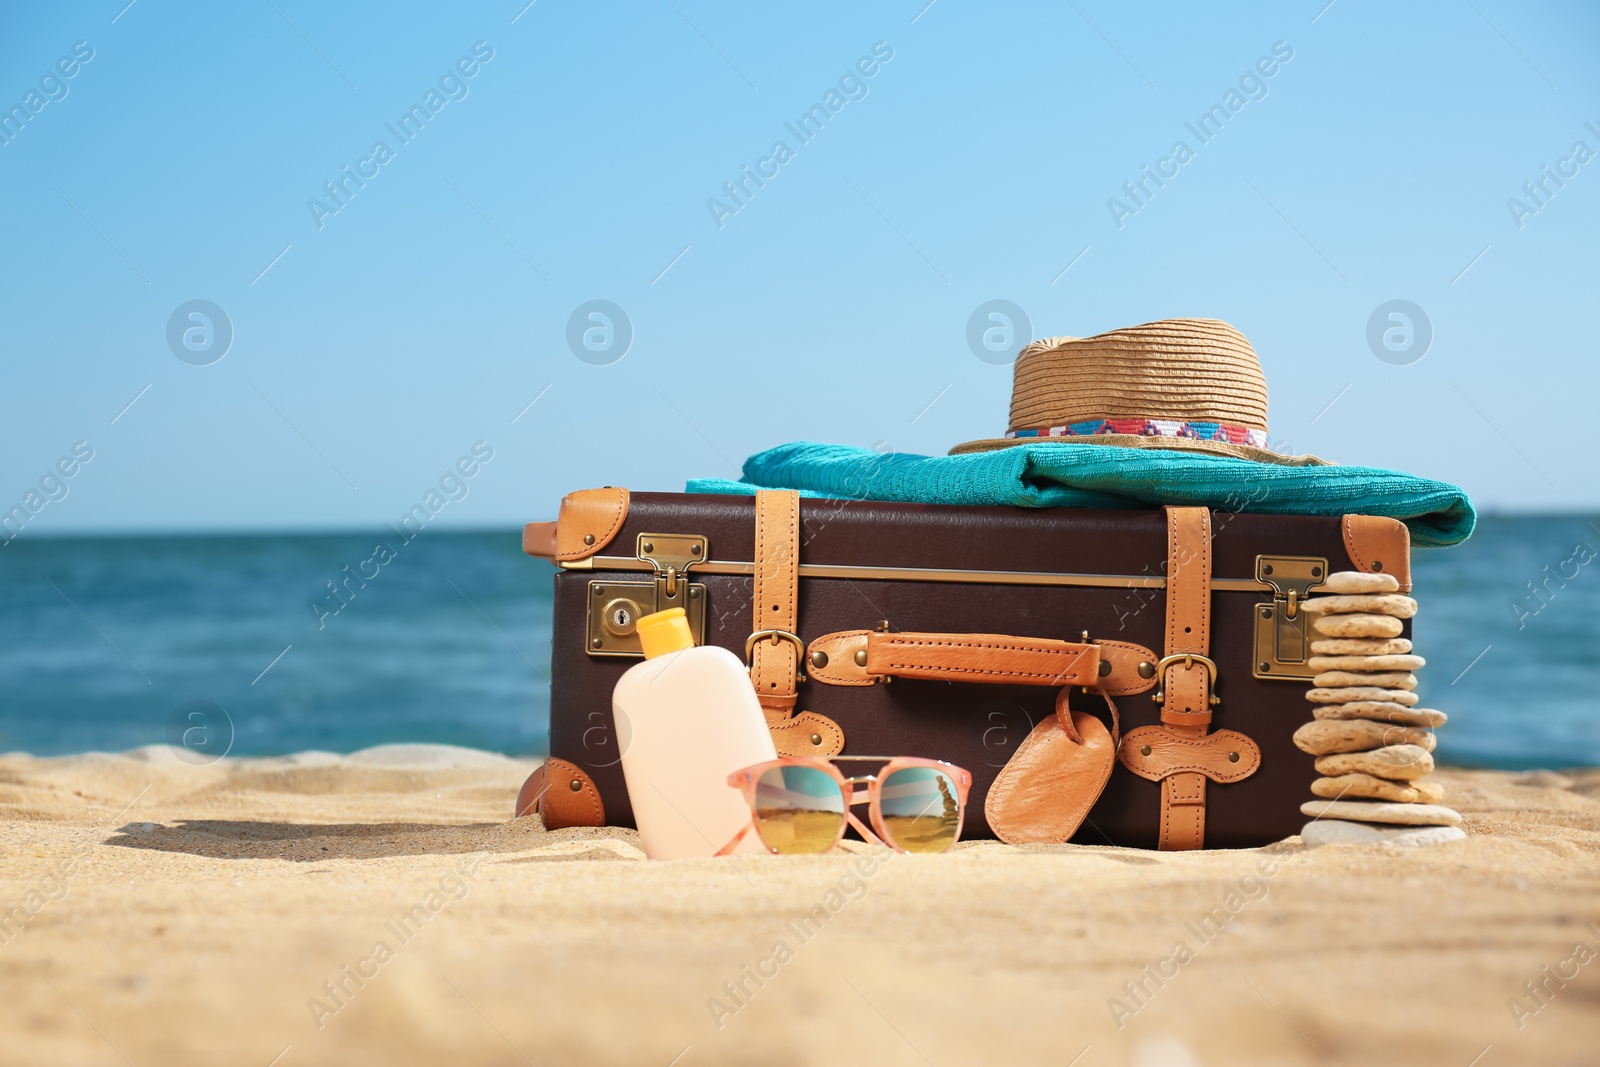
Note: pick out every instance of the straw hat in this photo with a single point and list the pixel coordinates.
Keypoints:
(1192, 384)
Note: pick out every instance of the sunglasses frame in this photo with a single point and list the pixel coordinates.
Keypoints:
(746, 781)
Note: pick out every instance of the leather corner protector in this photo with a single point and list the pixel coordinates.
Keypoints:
(530, 794)
(1171, 754)
(840, 666)
(590, 518)
(570, 797)
(1125, 657)
(1379, 545)
(539, 539)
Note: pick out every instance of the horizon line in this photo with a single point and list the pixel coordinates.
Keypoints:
(479, 528)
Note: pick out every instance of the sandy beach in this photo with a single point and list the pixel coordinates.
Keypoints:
(383, 908)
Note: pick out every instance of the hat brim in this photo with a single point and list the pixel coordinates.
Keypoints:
(1128, 440)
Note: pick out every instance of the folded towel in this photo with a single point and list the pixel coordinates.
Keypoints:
(1061, 474)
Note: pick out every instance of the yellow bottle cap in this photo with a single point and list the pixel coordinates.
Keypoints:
(664, 632)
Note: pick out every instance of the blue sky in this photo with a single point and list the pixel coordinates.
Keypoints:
(374, 346)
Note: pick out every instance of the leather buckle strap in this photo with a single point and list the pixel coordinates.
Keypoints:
(773, 649)
(776, 595)
(1185, 691)
(1180, 716)
(1189, 659)
(1176, 753)
(773, 636)
(1179, 753)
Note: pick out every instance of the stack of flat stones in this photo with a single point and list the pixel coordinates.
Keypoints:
(1374, 745)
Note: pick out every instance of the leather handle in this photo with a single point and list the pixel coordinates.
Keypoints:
(863, 657)
(982, 658)
(866, 657)
(540, 539)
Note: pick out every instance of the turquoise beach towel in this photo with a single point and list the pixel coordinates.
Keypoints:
(1075, 475)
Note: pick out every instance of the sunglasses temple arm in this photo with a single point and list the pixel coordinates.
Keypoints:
(727, 849)
(861, 828)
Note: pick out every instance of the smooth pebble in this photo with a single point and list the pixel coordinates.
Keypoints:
(1323, 737)
(1360, 646)
(1346, 694)
(1408, 762)
(1365, 785)
(1380, 680)
(1381, 711)
(1366, 663)
(1358, 625)
(1393, 604)
(1339, 832)
(1382, 811)
(1361, 582)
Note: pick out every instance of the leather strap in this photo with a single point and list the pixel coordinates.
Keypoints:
(866, 657)
(1064, 714)
(1180, 753)
(774, 670)
(1186, 687)
(776, 600)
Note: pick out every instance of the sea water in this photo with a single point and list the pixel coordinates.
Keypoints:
(304, 641)
(289, 642)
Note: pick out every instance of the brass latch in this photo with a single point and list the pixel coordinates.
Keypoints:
(615, 607)
(1282, 630)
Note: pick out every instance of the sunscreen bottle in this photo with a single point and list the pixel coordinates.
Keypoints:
(687, 718)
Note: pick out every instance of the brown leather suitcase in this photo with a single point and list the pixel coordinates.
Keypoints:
(978, 615)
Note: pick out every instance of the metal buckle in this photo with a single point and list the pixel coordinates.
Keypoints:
(1189, 659)
(775, 636)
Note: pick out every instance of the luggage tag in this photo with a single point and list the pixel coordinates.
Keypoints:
(1047, 787)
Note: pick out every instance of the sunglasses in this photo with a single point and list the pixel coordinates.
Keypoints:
(800, 805)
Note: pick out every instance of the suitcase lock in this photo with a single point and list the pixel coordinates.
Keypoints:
(614, 607)
(1282, 630)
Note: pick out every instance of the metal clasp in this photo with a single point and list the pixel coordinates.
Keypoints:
(1189, 660)
(615, 606)
(776, 636)
(671, 555)
(1282, 628)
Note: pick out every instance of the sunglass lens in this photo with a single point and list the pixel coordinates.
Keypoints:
(798, 810)
(920, 809)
